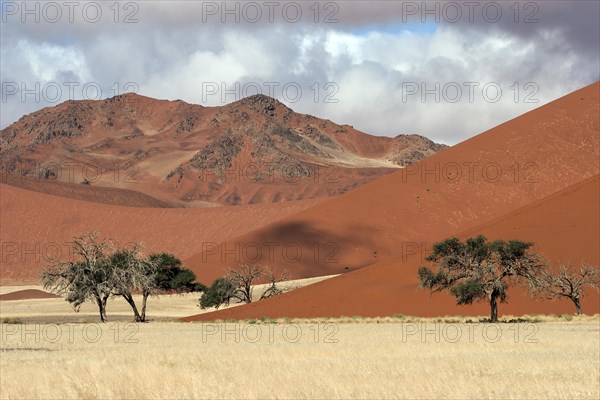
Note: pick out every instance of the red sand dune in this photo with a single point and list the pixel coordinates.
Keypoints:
(97, 194)
(35, 226)
(499, 171)
(27, 294)
(563, 227)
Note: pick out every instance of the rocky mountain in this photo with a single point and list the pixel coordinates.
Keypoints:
(255, 150)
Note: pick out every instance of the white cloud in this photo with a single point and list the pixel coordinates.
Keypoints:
(171, 53)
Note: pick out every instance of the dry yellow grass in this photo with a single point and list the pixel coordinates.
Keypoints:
(349, 357)
(309, 360)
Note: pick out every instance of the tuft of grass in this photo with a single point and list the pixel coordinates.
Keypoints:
(401, 318)
(12, 321)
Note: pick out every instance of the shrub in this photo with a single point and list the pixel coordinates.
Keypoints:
(220, 292)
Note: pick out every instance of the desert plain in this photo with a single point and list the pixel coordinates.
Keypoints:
(353, 319)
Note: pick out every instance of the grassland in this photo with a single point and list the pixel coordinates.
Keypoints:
(537, 357)
(309, 360)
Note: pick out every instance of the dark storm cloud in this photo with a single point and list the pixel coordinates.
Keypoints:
(369, 49)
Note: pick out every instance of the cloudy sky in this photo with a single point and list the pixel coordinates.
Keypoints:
(447, 70)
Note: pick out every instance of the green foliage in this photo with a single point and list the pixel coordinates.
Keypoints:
(168, 266)
(477, 270)
(220, 292)
(468, 291)
(171, 276)
(200, 287)
(103, 270)
(183, 280)
(428, 279)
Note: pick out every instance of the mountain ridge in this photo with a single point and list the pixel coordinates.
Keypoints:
(179, 152)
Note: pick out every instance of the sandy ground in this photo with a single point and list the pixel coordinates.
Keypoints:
(284, 361)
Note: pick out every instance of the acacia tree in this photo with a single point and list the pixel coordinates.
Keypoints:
(171, 276)
(569, 283)
(239, 284)
(102, 270)
(87, 279)
(246, 276)
(220, 292)
(166, 274)
(133, 272)
(478, 270)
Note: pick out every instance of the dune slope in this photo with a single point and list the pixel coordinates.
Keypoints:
(492, 174)
(36, 225)
(563, 227)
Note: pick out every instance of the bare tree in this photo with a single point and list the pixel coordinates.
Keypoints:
(272, 289)
(569, 283)
(132, 271)
(88, 278)
(247, 276)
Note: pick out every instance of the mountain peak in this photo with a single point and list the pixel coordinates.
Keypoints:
(125, 97)
(260, 103)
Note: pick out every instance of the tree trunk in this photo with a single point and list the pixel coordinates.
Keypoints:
(577, 305)
(102, 309)
(494, 307)
(144, 300)
(129, 298)
(248, 293)
(104, 300)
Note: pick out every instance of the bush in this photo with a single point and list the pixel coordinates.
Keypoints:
(183, 279)
(199, 287)
(220, 292)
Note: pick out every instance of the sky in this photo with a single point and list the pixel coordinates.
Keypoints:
(447, 70)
